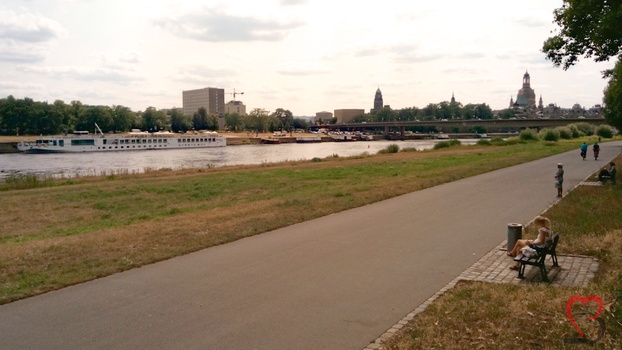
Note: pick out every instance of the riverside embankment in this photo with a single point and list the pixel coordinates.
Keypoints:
(348, 275)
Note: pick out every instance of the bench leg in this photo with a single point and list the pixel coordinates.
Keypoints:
(521, 271)
(554, 258)
(545, 278)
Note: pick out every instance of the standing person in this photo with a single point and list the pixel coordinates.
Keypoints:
(596, 149)
(559, 179)
(584, 150)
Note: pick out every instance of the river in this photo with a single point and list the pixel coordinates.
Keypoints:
(101, 163)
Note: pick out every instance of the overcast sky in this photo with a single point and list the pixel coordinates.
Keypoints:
(303, 55)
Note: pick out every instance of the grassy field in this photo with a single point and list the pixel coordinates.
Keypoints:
(65, 232)
(479, 315)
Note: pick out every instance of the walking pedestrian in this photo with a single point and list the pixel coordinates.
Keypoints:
(559, 179)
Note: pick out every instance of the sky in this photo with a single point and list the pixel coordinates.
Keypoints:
(305, 56)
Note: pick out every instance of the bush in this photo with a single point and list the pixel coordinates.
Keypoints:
(483, 142)
(528, 135)
(604, 131)
(392, 148)
(565, 132)
(445, 144)
(576, 133)
(549, 135)
(586, 128)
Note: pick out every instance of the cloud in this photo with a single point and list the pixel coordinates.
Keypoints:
(532, 22)
(89, 74)
(302, 69)
(214, 26)
(293, 2)
(11, 52)
(28, 28)
(200, 75)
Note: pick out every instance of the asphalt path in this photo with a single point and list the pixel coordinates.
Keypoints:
(337, 282)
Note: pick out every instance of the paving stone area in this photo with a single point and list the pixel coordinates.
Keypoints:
(494, 267)
(591, 183)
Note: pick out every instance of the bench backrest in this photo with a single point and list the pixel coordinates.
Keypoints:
(552, 243)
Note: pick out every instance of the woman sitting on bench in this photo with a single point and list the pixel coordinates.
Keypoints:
(610, 174)
(544, 236)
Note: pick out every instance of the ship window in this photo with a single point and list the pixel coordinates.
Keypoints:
(88, 142)
(165, 140)
(105, 141)
(54, 142)
(61, 143)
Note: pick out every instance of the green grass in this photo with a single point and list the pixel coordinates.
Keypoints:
(120, 222)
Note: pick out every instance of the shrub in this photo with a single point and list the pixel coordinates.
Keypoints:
(392, 148)
(586, 128)
(604, 131)
(445, 144)
(564, 132)
(576, 133)
(484, 142)
(549, 135)
(528, 135)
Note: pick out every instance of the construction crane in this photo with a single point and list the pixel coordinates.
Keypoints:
(235, 93)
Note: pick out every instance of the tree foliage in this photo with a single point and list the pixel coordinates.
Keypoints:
(179, 121)
(589, 28)
(25, 116)
(613, 98)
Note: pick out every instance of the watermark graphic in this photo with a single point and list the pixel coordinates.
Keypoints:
(601, 323)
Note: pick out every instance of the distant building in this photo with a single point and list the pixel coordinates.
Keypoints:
(526, 97)
(378, 103)
(346, 115)
(235, 107)
(323, 117)
(212, 99)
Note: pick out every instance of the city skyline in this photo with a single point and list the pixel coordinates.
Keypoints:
(304, 56)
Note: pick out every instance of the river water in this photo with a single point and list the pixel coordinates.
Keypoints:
(101, 163)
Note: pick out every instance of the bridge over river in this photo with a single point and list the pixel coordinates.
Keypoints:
(461, 125)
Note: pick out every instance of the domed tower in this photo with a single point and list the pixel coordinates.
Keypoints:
(540, 104)
(378, 103)
(526, 97)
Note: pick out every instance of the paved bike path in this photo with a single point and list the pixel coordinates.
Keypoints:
(336, 282)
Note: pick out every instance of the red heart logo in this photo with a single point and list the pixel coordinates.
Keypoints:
(584, 301)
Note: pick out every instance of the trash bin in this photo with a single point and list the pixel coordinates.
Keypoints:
(515, 232)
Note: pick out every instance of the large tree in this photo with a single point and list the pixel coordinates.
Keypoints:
(613, 97)
(589, 28)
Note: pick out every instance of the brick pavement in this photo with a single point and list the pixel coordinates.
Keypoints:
(493, 267)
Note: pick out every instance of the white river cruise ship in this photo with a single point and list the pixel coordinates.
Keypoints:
(82, 141)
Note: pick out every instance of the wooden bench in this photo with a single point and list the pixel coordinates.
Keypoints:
(539, 259)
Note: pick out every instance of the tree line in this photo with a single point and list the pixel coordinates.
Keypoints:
(28, 117)
(442, 110)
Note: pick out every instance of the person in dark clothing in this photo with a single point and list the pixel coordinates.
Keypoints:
(596, 149)
(608, 175)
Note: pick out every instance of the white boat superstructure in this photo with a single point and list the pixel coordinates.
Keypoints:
(82, 141)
